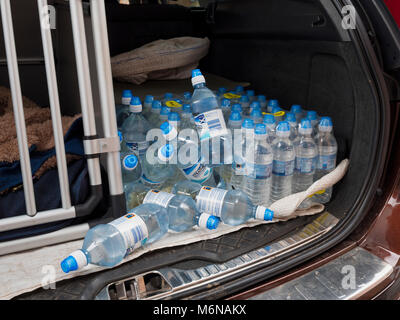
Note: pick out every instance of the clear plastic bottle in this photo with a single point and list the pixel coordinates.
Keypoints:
(263, 102)
(130, 167)
(186, 154)
(291, 119)
(163, 115)
(313, 117)
(327, 147)
(306, 156)
(237, 107)
(147, 105)
(187, 96)
(239, 90)
(256, 116)
(298, 112)
(257, 181)
(167, 97)
(255, 105)
(233, 207)
(226, 108)
(283, 164)
(251, 95)
(106, 245)
(134, 194)
(135, 128)
(154, 117)
(240, 148)
(122, 109)
(187, 118)
(271, 104)
(270, 124)
(209, 120)
(182, 211)
(175, 120)
(245, 102)
(278, 113)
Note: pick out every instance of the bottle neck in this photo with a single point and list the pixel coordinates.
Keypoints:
(200, 85)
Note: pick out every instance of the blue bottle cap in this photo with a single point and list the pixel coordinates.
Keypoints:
(135, 101)
(269, 119)
(166, 152)
(187, 95)
(268, 215)
(276, 109)
(179, 101)
(255, 105)
(221, 90)
(196, 73)
(261, 98)
(237, 107)
(250, 93)
(273, 103)
(305, 126)
(187, 108)
(296, 108)
(290, 117)
(248, 124)
(130, 162)
(283, 126)
(174, 116)
(225, 103)
(239, 89)
(244, 98)
(256, 113)
(260, 129)
(168, 96)
(156, 104)
(212, 222)
(235, 116)
(69, 264)
(312, 115)
(149, 98)
(165, 111)
(325, 124)
(127, 94)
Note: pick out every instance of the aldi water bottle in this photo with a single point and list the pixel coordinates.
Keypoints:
(187, 96)
(167, 97)
(270, 124)
(226, 108)
(255, 105)
(305, 163)
(130, 167)
(256, 116)
(313, 117)
(251, 95)
(182, 211)
(233, 207)
(154, 117)
(135, 128)
(164, 115)
(258, 159)
(271, 104)
(106, 245)
(122, 109)
(175, 120)
(245, 103)
(237, 107)
(327, 147)
(298, 112)
(283, 164)
(291, 119)
(209, 119)
(187, 118)
(147, 105)
(263, 102)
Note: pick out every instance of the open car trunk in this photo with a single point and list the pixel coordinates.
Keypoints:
(293, 51)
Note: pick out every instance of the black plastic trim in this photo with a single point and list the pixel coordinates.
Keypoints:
(85, 209)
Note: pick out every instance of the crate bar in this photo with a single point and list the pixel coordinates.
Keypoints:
(16, 95)
(84, 82)
(103, 66)
(54, 104)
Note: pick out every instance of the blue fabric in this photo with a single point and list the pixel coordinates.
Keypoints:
(10, 173)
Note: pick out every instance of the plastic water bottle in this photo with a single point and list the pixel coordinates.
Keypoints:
(313, 117)
(251, 95)
(291, 119)
(239, 90)
(257, 181)
(278, 113)
(226, 108)
(256, 116)
(255, 105)
(147, 105)
(263, 102)
(245, 102)
(106, 245)
(182, 211)
(175, 120)
(122, 109)
(271, 104)
(187, 156)
(240, 148)
(283, 164)
(327, 147)
(270, 124)
(306, 156)
(209, 119)
(237, 107)
(164, 114)
(233, 207)
(135, 128)
(154, 116)
(220, 93)
(167, 97)
(130, 167)
(135, 193)
(298, 112)
(187, 96)
(235, 121)
(187, 118)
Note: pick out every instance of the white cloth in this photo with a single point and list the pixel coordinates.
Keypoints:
(160, 60)
(26, 271)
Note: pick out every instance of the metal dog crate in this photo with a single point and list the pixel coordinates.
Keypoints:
(94, 145)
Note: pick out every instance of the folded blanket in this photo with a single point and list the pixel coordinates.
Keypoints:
(40, 140)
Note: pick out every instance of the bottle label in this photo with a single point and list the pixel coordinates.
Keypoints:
(283, 168)
(210, 124)
(133, 230)
(305, 165)
(210, 200)
(258, 171)
(158, 197)
(138, 147)
(326, 162)
(198, 172)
